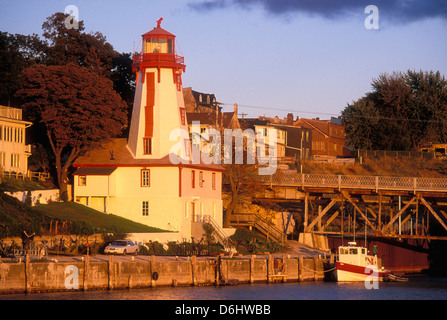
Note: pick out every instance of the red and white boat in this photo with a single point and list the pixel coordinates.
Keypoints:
(354, 264)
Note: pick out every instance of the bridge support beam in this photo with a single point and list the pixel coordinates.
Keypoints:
(413, 200)
(372, 213)
(322, 213)
(433, 212)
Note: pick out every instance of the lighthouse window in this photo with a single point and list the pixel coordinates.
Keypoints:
(183, 116)
(147, 145)
(159, 46)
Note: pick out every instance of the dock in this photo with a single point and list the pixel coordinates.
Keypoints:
(101, 272)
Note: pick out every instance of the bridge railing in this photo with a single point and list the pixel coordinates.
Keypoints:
(357, 182)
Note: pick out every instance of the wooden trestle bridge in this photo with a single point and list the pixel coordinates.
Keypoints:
(379, 206)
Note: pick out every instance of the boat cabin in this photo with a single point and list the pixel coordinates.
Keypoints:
(355, 255)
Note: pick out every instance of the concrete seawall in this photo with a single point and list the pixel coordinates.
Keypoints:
(111, 273)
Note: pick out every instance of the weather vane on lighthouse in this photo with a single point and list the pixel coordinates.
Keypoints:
(159, 22)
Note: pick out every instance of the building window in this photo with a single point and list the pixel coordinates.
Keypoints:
(213, 181)
(193, 179)
(15, 160)
(145, 208)
(82, 181)
(147, 145)
(263, 132)
(201, 179)
(145, 178)
(2, 159)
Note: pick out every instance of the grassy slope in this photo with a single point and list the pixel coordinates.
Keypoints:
(70, 211)
(16, 217)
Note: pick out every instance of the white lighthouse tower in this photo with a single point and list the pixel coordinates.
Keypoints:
(158, 105)
(134, 177)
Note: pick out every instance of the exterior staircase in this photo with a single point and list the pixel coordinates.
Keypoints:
(220, 234)
(259, 223)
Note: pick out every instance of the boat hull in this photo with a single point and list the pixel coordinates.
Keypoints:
(350, 272)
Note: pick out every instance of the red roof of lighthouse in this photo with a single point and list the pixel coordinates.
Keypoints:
(159, 32)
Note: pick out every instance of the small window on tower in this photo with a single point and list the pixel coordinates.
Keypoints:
(147, 145)
(183, 116)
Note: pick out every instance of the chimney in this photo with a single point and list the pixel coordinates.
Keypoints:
(235, 108)
(289, 120)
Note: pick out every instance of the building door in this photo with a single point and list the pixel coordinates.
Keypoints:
(98, 203)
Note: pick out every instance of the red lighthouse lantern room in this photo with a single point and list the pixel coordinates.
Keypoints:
(158, 51)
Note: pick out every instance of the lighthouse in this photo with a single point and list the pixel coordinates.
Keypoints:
(134, 177)
(158, 105)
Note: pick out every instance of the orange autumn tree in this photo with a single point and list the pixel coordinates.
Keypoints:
(77, 108)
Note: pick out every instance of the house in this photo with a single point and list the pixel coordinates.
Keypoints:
(199, 102)
(150, 177)
(328, 138)
(291, 141)
(14, 152)
(264, 131)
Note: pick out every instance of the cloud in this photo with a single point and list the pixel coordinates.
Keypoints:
(395, 10)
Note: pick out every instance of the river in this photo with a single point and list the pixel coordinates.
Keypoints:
(417, 288)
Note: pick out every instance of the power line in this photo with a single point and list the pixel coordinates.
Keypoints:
(335, 115)
(280, 109)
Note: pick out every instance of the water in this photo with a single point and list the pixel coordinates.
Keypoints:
(417, 288)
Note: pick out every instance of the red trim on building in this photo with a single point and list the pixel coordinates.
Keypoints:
(180, 181)
(147, 165)
(150, 102)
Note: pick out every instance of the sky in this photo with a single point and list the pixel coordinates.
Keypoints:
(271, 57)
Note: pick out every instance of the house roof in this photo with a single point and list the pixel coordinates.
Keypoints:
(224, 119)
(95, 171)
(115, 153)
(251, 123)
(196, 95)
(322, 127)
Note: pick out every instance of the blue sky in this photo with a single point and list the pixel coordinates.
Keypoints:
(310, 58)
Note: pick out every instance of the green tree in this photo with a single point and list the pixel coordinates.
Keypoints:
(17, 52)
(78, 109)
(90, 50)
(403, 112)
(59, 46)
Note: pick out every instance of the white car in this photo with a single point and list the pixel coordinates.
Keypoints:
(122, 247)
